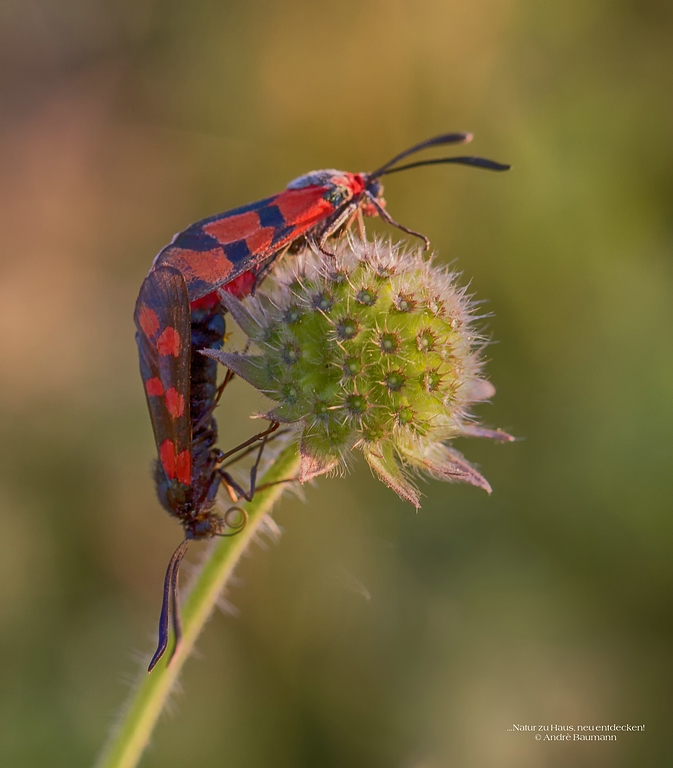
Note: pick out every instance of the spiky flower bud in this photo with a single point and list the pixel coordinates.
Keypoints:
(375, 349)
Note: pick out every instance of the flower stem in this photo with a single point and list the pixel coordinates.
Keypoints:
(139, 715)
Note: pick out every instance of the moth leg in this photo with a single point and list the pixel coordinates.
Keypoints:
(251, 448)
(361, 224)
(318, 247)
(259, 436)
(262, 487)
(357, 213)
(228, 479)
(339, 222)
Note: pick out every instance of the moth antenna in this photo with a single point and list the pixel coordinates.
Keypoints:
(169, 600)
(175, 603)
(445, 138)
(235, 527)
(477, 162)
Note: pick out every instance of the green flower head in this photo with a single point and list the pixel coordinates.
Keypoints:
(374, 349)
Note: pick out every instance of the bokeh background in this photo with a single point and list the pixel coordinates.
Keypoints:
(369, 636)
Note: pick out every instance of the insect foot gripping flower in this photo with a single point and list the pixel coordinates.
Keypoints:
(373, 349)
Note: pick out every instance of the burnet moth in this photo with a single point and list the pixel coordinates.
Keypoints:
(179, 313)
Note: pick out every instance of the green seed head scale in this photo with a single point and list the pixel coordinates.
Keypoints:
(373, 348)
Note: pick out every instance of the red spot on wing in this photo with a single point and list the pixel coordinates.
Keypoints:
(303, 206)
(175, 403)
(240, 286)
(154, 387)
(167, 457)
(260, 239)
(234, 227)
(169, 342)
(148, 321)
(184, 468)
(210, 266)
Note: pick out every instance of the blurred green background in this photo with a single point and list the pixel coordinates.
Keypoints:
(369, 636)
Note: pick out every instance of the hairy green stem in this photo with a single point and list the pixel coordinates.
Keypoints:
(139, 715)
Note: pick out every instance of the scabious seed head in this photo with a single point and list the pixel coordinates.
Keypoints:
(375, 349)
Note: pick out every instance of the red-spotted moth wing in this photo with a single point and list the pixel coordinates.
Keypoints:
(162, 318)
(215, 251)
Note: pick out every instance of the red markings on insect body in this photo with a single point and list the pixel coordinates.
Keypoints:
(177, 466)
(209, 301)
(154, 387)
(149, 321)
(245, 226)
(234, 227)
(169, 343)
(183, 468)
(210, 266)
(357, 182)
(302, 206)
(239, 287)
(175, 403)
(167, 457)
(259, 240)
